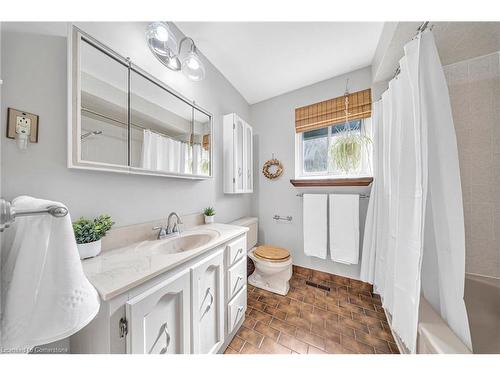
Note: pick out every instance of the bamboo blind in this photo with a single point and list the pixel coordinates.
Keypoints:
(331, 112)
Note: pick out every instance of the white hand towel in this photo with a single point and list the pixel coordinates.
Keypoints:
(315, 227)
(344, 228)
(45, 294)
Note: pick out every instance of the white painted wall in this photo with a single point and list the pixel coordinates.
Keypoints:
(35, 80)
(1, 113)
(274, 128)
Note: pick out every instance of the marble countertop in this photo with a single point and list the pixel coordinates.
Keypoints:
(116, 271)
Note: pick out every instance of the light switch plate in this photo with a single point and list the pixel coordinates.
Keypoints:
(16, 118)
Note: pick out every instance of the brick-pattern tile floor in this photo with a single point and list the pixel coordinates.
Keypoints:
(347, 319)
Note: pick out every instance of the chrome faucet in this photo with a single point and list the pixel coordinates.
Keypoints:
(168, 231)
(175, 227)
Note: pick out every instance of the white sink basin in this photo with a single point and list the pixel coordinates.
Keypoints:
(185, 242)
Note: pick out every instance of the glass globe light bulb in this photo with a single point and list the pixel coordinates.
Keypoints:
(192, 67)
(160, 39)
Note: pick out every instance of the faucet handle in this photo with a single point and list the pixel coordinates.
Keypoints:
(162, 233)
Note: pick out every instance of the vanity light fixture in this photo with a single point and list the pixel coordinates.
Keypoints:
(163, 44)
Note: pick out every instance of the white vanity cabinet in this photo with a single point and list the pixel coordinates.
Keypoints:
(159, 319)
(238, 155)
(207, 280)
(195, 307)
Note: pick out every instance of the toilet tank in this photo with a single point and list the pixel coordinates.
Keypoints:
(252, 224)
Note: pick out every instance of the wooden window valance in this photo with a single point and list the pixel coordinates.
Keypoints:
(332, 111)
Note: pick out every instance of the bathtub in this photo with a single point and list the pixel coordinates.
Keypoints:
(482, 298)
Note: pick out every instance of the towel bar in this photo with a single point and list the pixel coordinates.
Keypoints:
(8, 214)
(361, 196)
(278, 217)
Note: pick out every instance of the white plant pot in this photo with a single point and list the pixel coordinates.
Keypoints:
(209, 219)
(89, 250)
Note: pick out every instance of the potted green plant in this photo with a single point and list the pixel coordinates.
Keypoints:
(209, 213)
(347, 151)
(88, 234)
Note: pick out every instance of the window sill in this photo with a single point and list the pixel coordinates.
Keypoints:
(322, 182)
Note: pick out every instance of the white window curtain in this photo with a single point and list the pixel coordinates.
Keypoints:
(415, 211)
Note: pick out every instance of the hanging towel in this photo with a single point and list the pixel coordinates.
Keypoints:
(344, 228)
(315, 228)
(45, 294)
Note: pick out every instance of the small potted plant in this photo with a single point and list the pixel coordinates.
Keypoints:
(209, 213)
(88, 234)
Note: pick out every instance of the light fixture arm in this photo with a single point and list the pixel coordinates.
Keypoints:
(186, 38)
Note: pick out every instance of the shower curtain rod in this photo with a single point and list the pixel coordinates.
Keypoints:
(420, 30)
(95, 113)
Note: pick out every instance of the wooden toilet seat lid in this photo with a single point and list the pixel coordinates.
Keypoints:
(271, 253)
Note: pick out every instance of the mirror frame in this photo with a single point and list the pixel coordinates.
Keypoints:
(75, 36)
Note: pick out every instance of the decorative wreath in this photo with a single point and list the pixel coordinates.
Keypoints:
(267, 166)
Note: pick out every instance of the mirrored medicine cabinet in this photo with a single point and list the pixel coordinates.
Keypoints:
(123, 119)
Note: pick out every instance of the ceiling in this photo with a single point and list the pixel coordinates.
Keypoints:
(266, 59)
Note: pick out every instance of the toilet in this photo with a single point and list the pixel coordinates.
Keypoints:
(273, 265)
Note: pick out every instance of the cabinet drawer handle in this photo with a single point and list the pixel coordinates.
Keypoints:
(240, 309)
(236, 283)
(240, 172)
(209, 293)
(163, 330)
(211, 298)
(240, 250)
(167, 337)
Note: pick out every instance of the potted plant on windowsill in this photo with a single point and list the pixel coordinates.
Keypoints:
(209, 213)
(88, 234)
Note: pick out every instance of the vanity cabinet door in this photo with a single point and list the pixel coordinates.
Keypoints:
(159, 319)
(207, 280)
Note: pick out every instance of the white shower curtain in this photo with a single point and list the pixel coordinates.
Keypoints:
(415, 209)
(162, 153)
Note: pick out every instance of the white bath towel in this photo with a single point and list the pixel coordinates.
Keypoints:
(315, 225)
(45, 294)
(344, 228)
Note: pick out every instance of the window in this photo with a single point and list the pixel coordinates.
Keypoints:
(313, 151)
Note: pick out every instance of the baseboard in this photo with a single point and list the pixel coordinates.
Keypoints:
(319, 276)
(231, 336)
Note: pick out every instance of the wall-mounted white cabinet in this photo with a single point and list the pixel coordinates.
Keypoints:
(238, 155)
